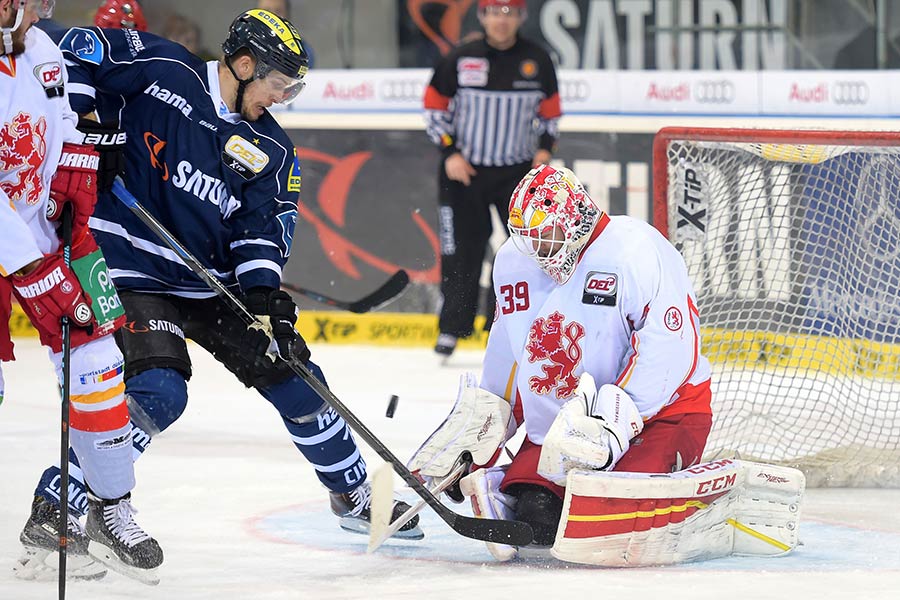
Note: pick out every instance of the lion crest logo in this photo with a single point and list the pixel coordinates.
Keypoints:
(553, 340)
(22, 150)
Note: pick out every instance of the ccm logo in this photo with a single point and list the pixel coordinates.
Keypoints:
(715, 485)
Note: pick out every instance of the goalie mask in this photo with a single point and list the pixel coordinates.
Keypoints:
(551, 218)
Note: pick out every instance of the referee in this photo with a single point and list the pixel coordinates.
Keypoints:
(492, 107)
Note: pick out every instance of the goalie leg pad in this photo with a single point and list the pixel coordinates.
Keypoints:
(708, 511)
(483, 489)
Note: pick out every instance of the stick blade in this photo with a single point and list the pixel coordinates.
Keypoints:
(388, 290)
(382, 504)
(513, 533)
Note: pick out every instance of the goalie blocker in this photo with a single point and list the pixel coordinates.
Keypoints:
(712, 510)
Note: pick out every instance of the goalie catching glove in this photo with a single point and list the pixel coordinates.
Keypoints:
(591, 431)
(275, 333)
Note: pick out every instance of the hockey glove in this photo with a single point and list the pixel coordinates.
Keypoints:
(51, 292)
(277, 313)
(109, 142)
(592, 431)
(75, 182)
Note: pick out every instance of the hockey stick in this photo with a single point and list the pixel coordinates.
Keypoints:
(515, 533)
(63, 527)
(395, 284)
(381, 532)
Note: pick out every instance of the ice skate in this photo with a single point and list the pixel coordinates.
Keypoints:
(445, 346)
(354, 510)
(118, 541)
(40, 540)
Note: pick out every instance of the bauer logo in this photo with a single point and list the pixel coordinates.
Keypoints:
(691, 204)
(600, 289)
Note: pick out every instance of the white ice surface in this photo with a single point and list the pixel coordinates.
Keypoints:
(240, 514)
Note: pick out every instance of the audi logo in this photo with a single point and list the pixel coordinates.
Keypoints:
(850, 92)
(720, 91)
(574, 90)
(402, 90)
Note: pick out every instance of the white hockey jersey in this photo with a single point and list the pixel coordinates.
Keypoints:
(35, 119)
(627, 316)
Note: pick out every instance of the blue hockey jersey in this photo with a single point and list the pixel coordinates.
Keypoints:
(225, 187)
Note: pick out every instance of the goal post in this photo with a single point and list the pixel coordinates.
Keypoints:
(792, 241)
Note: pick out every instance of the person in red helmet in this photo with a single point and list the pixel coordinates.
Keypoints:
(116, 14)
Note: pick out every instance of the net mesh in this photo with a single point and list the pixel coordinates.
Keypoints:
(794, 252)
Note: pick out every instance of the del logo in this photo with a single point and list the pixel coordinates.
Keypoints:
(83, 43)
(49, 74)
(600, 288)
(244, 158)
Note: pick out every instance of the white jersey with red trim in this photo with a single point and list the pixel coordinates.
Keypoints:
(627, 316)
(35, 119)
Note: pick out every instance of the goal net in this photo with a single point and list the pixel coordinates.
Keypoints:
(792, 240)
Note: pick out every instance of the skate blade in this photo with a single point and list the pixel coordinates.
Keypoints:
(106, 556)
(361, 526)
(37, 564)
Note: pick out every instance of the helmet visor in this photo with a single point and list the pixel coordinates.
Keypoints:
(284, 87)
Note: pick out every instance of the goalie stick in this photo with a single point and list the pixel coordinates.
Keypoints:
(515, 533)
(395, 284)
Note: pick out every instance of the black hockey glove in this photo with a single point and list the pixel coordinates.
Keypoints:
(109, 141)
(277, 310)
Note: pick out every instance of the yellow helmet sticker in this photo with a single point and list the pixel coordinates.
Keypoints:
(286, 32)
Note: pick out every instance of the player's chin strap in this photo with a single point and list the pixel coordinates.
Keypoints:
(242, 84)
(8, 33)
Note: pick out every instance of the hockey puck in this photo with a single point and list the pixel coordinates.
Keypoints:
(392, 406)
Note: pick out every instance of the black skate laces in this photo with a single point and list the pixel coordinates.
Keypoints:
(119, 518)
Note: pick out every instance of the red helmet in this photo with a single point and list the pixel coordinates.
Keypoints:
(551, 218)
(116, 14)
(520, 4)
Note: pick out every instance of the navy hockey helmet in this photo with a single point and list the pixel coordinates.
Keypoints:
(274, 43)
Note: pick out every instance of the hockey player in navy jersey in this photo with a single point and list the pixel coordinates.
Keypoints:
(208, 160)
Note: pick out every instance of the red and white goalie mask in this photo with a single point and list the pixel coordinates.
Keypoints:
(551, 218)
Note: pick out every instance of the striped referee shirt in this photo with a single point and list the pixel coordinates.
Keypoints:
(497, 107)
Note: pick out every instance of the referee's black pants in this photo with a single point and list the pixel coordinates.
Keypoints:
(465, 228)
